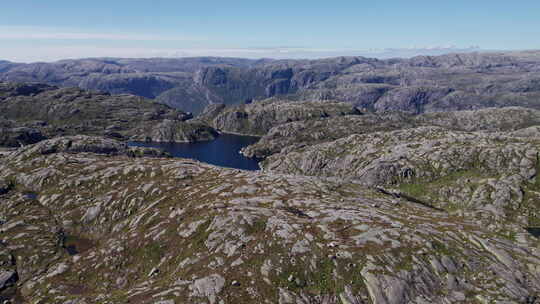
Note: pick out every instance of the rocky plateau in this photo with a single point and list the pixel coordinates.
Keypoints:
(85, 222)
(399, 181)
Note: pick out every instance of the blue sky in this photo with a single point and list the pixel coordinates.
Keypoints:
(47, 30)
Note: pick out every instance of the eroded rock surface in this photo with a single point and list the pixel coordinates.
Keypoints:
(157, 230)
(491, 175)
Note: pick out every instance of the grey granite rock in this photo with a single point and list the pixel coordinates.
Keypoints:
(338, 241)
(7, 278)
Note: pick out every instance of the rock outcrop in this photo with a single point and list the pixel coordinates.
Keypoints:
(84, 144)
(30, 113)
(178, 131)
(288, 136)
(19, 136)
(259, 117)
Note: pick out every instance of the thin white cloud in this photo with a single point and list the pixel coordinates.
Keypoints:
(44, 33)
(54, 53)
(30, 44)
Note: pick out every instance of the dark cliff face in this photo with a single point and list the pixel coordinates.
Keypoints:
(22, 89)
(18, 136)
(417, 85)
(410, 99)
(231, 85)
(149, 86)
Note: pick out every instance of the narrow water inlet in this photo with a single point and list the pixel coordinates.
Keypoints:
(224, 151)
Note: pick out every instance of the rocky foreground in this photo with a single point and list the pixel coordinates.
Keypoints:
(84, 221)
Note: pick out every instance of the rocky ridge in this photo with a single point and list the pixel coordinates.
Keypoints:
(259, 117)
(31, 112)
(178, 131)
(290, 136)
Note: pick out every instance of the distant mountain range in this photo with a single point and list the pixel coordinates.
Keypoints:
(415, 85)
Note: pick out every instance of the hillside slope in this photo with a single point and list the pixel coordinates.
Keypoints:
(31, 112)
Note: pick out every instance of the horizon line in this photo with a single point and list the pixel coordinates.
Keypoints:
(386, 53)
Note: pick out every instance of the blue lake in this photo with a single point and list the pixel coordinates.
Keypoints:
(223, 151)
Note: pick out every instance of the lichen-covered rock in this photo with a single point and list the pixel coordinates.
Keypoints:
(208, 287)
(98, 225)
